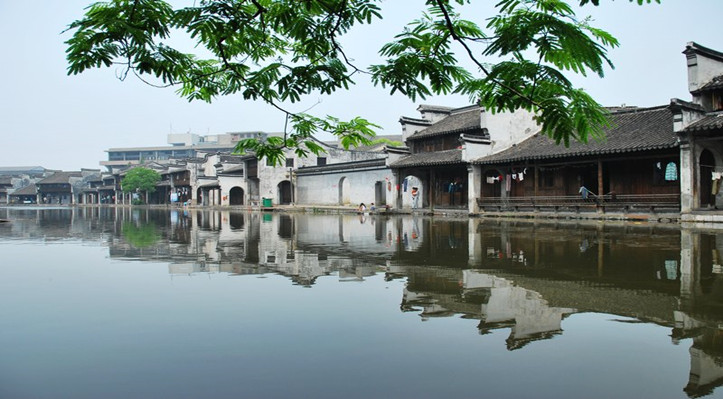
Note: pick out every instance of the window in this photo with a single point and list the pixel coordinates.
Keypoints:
(289, 162)
(321, 161)
(717, 101)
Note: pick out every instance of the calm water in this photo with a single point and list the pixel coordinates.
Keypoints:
(122, 303)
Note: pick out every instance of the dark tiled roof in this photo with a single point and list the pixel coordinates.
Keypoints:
(28, 190)
(378, 147)
(417, 121)
(434, 108)
(208, 183)
(643, 129)
(232, 168)
(21, 170)
(174, 169)
(695, 48)
(462, 120)
(447, 157)
(714, 84)
(59, 177)
(364, 164)
(382, 144)
(231, 158)
(709, 122)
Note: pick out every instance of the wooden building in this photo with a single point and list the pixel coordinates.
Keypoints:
(6, 184)
(636, 166)
(58, 188)
(88, 191)
(437, 151)
(24, 195)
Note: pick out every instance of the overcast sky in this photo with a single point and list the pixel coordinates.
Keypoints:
(66, 122)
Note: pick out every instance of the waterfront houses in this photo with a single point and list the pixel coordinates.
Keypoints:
(661, 159)
(700, 128)
(434, 168)
(634, 168)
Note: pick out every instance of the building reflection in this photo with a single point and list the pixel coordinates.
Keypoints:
(516, 275)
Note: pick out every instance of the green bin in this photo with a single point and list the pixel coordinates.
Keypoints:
(266, 202)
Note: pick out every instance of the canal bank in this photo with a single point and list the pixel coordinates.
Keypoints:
(708, 218)
(663, 218)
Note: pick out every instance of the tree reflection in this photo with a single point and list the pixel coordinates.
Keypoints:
(140, 235)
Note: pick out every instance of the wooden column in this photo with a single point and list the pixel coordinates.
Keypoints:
(432, 185)
(600, 251)
(600, 188)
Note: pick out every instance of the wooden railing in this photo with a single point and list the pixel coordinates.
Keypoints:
(622, 202)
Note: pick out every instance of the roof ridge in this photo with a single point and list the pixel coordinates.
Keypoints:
(409, 118)
(466, 108)
(640, 109)
(693, 47)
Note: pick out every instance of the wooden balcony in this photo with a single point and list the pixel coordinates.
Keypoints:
(181, 182)
(574, 203)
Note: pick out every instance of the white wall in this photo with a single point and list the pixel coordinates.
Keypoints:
(229, 182)
(270, 177)
(701, 70)
(323, 189)
(507, 128)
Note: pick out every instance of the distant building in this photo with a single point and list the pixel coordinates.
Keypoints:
(14, 178)
(25, 195)
(33, 171)
(58, 188)
(182, 146)
(5, 184)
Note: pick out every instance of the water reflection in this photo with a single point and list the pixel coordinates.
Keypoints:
(140, 235)
(518, 276)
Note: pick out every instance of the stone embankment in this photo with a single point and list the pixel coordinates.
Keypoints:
(708, 218)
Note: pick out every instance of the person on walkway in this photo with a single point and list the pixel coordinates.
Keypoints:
(584, 192)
